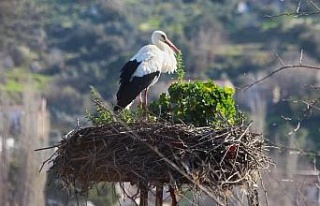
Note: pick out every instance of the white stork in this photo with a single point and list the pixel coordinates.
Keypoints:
(144, 69)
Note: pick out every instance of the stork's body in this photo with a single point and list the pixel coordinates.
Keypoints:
(144, 69)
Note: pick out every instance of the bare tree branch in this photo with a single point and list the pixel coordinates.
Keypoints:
(279, 70)
(298, 13)
(292, 14)
(312, 87)
(298, 7)
(309, 104)
(301, 152)
(314, 5)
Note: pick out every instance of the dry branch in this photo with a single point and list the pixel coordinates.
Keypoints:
(293, 14)
(284, 67)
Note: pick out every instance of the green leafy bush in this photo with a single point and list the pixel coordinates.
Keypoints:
(199, 103)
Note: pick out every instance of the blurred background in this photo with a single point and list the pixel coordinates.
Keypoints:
(52, 51)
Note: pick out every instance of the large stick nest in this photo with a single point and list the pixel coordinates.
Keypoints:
(160, 153)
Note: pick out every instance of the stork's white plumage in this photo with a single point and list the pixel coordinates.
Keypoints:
(144, 69)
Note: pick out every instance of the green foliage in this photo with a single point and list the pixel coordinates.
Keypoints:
(104, 114)
(198, 103)
(180, 67)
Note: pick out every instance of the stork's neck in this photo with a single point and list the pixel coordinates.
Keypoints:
(163, 46)
(170, 63)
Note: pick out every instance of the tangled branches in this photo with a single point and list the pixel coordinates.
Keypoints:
(169, 154)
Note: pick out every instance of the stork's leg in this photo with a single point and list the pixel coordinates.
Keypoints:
(140, 101)
(146, 97)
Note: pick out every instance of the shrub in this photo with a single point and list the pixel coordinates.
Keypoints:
(199, 103)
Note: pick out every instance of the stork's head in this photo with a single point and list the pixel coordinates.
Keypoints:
(160, 36)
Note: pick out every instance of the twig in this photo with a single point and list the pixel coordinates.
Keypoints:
(293, 14)
(264, 189)
(45, 148)
(46, 161)
(131, 197)
(297, 150)
(309, 104)
(276, 71)
(279, 58)
(312, 87)
(314, 5)
(301, 57)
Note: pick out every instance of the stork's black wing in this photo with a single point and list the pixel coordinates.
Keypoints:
(129, 90)
(128, 69)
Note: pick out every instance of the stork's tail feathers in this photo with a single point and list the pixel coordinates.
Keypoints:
(118, 108)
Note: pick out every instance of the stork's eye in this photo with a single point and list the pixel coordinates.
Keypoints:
(163, 36)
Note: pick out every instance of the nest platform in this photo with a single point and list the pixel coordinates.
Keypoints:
(170, 154)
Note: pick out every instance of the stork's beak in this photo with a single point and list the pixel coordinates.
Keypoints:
(172, 46)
